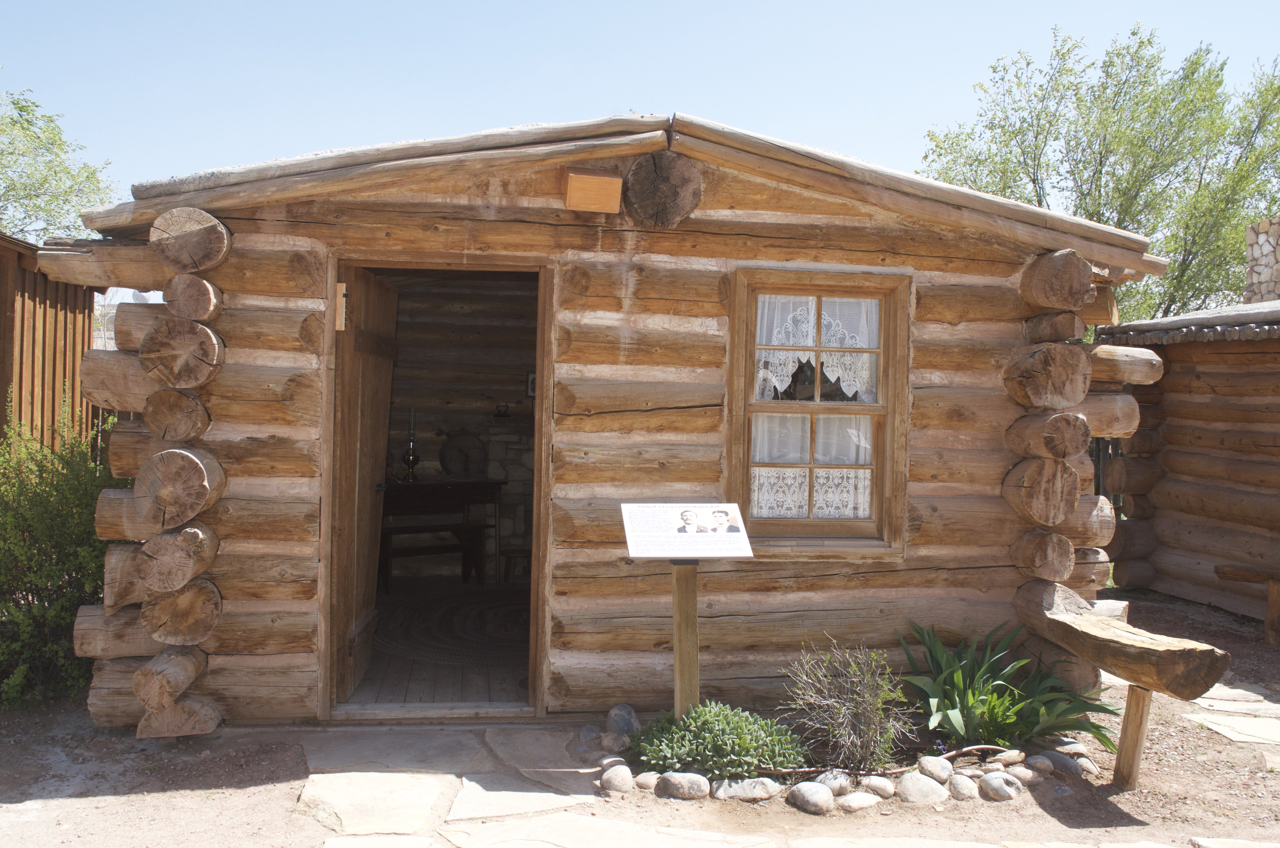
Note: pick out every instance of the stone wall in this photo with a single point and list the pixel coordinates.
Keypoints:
(1262, 239)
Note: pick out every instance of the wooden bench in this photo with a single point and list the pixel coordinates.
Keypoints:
(439, 507)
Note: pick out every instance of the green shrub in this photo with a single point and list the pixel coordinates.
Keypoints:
(972, 697)
(718, 742)
(50, 560)
(846, 704)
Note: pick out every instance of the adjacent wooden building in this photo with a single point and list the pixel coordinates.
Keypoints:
(47, 326)
(1200, 480)
(884, 372)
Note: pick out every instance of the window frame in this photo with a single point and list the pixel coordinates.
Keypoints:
(889, 413)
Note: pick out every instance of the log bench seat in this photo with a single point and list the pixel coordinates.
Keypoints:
(412, 509)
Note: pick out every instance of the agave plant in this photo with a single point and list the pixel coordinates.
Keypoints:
(971, 694)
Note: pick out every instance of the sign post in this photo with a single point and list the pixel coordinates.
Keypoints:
(683, 533)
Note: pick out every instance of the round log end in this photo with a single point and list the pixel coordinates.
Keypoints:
(176, 415)
(1048, 375)
(1041, 554)
(181, 354)
(189, 240)
(191, 297)
(176, 557)
(1059, 280)
(662, 189)
(186, 616)
(174, 486)
(1043, 491)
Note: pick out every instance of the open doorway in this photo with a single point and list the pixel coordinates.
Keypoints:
(440, 573)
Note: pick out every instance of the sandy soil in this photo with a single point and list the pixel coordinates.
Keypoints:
(64, 781)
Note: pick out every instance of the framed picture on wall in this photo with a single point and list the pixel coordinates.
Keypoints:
(530, 383)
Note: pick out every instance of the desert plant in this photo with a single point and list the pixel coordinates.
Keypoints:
(718, 742)
(50, 559)
(846, 704)
(971, 693)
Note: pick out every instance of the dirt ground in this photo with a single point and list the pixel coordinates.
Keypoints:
(64, 781)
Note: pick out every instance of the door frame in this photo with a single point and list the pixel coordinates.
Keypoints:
(327, 641)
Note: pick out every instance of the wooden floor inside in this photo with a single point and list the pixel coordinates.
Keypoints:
(397, 680)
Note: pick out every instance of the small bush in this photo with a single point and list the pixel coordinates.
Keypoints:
(50, 560)
(971, 694)
(718, 742)
(846, 705)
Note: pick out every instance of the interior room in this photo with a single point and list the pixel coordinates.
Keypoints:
(454, 564)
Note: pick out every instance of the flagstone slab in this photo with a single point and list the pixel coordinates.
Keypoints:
(1265, 731)
(568, 830)
(494, 795)
(382, 841)
(883, 842)
(1207, 842)
(542, 755)
(371, 802)
(396, 749)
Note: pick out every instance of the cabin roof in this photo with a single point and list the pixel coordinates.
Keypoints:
(14, 243)
(1228, 323)
(283, 180)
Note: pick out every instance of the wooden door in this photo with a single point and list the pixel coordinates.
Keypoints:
(364, 355)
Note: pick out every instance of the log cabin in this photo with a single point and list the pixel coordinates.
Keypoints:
(1199, 481)
(884, 372)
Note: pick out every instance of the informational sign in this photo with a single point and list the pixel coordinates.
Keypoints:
(685, 531)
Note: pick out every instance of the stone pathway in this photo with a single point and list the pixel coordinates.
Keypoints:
(401, 788)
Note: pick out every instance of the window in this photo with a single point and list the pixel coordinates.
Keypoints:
(820, 384)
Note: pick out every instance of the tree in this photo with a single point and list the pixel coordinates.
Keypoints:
(1126, 141)
(43, 185)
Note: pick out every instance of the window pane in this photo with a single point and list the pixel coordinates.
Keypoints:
(850, 377)
(842, 440)
(779, 438)
(786, 320)
(850, 322)
(785, 375)
(841, 492)
(779, 493)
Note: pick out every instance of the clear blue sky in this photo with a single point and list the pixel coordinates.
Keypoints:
(169, 89)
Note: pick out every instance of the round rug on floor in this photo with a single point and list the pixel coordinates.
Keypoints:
(484, 626)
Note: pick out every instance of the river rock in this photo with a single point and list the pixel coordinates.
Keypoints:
(1061, 744)
(811, 797)
(617, 779)
(838, 782)
(856, 801)
(987, 768)
(881, 786)
(998, 786)
(1088, 766)
(1024, 775)
(623, 719)
(917, 788)
(752, 791)
(683, 786)
(971, 772)
(1039, 763)
(589, 734)
(962, 788)
(647, 780)
(1008, 758)
(1062, 763)
(615, 742)
(608, 761)
(935, 767)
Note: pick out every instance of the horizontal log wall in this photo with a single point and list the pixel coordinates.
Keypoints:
(639, 413)
(637, 386)
(1217, 502)
(264, 408)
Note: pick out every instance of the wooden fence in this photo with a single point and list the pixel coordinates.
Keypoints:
(45, 328)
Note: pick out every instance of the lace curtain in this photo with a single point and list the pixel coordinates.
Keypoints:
(794, 321)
